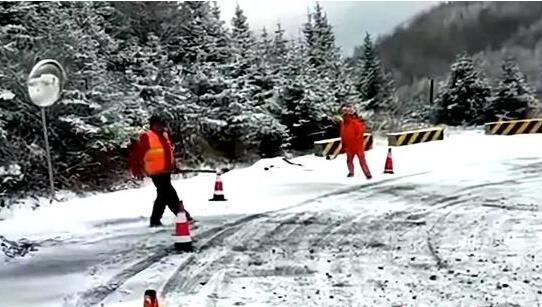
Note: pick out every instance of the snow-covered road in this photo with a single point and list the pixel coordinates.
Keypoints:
(459, 224)
(392, 244)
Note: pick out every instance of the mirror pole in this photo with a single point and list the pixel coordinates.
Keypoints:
(48, 150)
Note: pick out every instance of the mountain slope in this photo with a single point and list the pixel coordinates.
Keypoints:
(426, 46)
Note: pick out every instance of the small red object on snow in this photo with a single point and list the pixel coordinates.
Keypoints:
(218, 194)
(181, 237)
(388, 168)
(150, 299)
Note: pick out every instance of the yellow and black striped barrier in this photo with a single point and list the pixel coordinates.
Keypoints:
(524, 126)
(415, 136)
(331, 148)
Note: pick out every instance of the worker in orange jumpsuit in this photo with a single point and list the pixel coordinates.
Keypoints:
(352, 138)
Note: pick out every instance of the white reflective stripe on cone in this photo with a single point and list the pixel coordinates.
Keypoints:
(219, 192)
(181, 218)
(182, 239)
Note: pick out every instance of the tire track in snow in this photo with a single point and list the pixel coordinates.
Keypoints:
(456, 199)
(172, 284)
(459, 197)
(184, 280)
(287, 225)
(452, 203)
(260, 234)
(95, 295)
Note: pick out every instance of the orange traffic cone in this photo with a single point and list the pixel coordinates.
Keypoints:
(150, 299)
(388, 168)
(181, 237)
(219, 192)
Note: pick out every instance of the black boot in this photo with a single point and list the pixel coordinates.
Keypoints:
(156, 224)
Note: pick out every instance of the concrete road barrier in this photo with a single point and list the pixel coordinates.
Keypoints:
(512, 127)
(331, 148)
(415, 136)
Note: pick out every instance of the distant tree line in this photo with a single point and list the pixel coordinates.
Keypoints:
(492, 32)
(466, 97)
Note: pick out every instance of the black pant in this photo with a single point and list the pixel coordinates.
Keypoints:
(165, 195)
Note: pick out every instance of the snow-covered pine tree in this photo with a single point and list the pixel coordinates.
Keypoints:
(17, 115)
(159, 88)
(279, 69)
(197, 17)
(320, 40)
(10, 169)
(304, 98)
(265, 45)
(83, 124)
(218, 41)
(205, 38)
(463, 97)
(514, 97)
(344, 87)
(243, 44)
(309, 39)
(206, 77)
(88, 122)
(374, 85)
(313, 81)
(279, 47)
(237, 120)
(325, 53)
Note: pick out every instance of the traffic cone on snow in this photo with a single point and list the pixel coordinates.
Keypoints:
(388, 168)
(150, 299)
(218, 194)
(181, 237)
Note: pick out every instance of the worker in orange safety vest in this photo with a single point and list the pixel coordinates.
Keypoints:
(153, 155)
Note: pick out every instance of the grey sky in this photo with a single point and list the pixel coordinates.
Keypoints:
(350, 19)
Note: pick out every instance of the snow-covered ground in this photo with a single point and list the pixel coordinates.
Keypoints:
(458, 224)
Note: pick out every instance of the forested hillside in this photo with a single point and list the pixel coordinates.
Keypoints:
(485, 58)
(229, 91)
(438, 35)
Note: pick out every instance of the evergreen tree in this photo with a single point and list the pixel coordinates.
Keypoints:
(241, 34)
(243, 44)
(279, 46)
(139, 18)
(374, 85)
(326, 52)
(344, 87)
(514, 98)
(276, 60)
(308, 32)
(320, 40)
(305, 98)
(463, 97)
(205, 38)
(237, 118)
(84, 124)
(219, 39)
(265, 45)
(197, 16)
